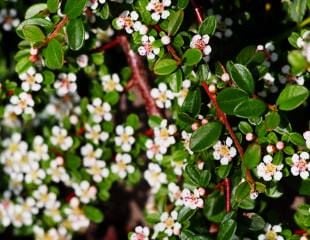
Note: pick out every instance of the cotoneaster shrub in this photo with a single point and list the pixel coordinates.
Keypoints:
(203, 106)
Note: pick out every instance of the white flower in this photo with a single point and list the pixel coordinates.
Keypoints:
(23, 103)
(178, 166)
(175, 194)
(158, 9)
(95, 134)
(99, 110)
(31, 80)
(124, 137)
(43, 197)
(201, 42)
(57, 171)
(272, 232)
(76, 218)
(165, 40)
(65, 84)
(4, 213)
(129, 21)
(90, 155)
(267, 170)
(10, 118)
(8, 19)
(111, 83)
(155, 150)
(301, 165)
(162, 95)
(98, 170)
(155, 176)
(224, 152)
(40, 148)
(35, 174)
(20, 216)
(306, 136)
(82, 60)
(122, 166)
(141, 233)
(54, 212)
(85, 191)
(147, 49)
(181, 95)
(168, 224)
(163, 135)
(60, 139)
(14, 146)
(193, 200)
(186, 141)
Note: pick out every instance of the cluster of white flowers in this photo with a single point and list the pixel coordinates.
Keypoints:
(147, 48)
(129, 21)
(301, 165)
(271, 232)
(94, 4)
(168, 224)
(224, 152)
(192, 200)
(268, 171)
(23, 104)
(124, 137)
(155, 177)
(65, 84)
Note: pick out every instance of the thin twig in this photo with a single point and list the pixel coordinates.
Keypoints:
(139, 76)
(227, 194)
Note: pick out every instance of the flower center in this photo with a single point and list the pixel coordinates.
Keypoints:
(271, 235)
(270, 168)
(302, 165)
(224, 151)
(169, 222)
(128, 21)
(158, 7)
(200, 44)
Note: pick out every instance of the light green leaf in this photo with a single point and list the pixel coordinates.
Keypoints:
(52, 5)
(165, 66)
(250, 54)
(192, 56)
(74, 8)
(47, 25)
(205, 136)
(250, 108)
(208, 26)
(292, 96)
(297, 10)
(298, 62)
(35, 9)
(93, 213)
(33, 34)
(54, 55)
(241, 76)
(229, 98)
(76, 33)
(174, 22)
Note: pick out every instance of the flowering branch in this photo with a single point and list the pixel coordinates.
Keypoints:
(139, 74)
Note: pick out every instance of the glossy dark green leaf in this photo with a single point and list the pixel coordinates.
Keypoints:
(252, 155)
(241, 76)
(192, 56)
(33, 34)
(208, 26)
(185, 214)
(93, 214)
(174, 22)
(292, 96)
(54, 55)
(192, 102)
(229, 98)
(74, 8)
(47, 25)
(205, 136)
(272, 120)
(227, 230)
(52, 5)
(175, 80)
(245, 127)
(76, 33)
(250, 108)
(182, 3)
(241, 192)
(35, 9)
(165, 66)
(250, 54)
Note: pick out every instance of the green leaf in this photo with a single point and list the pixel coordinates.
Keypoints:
(229, 98)
(105, 11)
(304, 188)
(272, 121)
(74, 8)
(93, 213)
(252, 156)
(208, 26)
(292, 96)
(35, 9)
(22, 65)
(175, 80)
(245, 127)
(257, 222)
(165, 66)
(297, 139)
(33, 34)
(297, 10)
(205, 136)
(52, 5)
(298, 61)
(185, 214)
(182, 3)
(192, 56)
(250, 54)
(54, 55)
(174, 22)
(47, 25)
(76, 33)
(250, 108)
(293, 39)
(192, 102)
(240, 193)
(227, 230)
(241, 76)
(72, 161)
(197, 177)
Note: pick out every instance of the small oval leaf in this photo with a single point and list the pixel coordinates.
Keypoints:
(292, 96)
(165, 66)
(250, 108)
(229, 98)
(76, 33)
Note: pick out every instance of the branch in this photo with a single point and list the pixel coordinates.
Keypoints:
(139, 74)
(227, 194)
(198, 11)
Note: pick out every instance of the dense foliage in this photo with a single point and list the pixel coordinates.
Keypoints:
(190, 117)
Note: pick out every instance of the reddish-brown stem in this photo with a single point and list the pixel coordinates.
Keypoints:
(170, 48)
(227, 194)
(57, 29)
(198, 11)
(139, 75)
